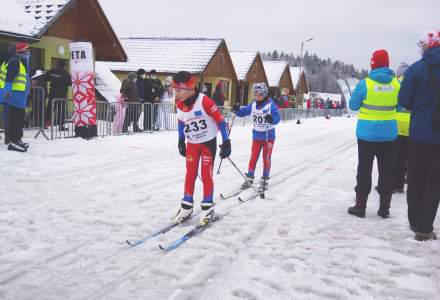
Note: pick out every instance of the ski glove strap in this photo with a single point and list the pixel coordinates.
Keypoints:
(225, 149)
(182, 147)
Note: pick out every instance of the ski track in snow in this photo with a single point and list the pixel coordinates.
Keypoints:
(58, 241)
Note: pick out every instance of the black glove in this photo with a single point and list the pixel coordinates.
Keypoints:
(225, 149)
(268, 118)
(236, 107)
(182, 147)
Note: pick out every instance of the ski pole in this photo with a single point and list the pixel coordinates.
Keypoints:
(242, 175)
(229, 134)
(262, 195)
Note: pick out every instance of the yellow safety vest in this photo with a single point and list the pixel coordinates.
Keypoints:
(381, 101)
(19, 83)
(403, 119)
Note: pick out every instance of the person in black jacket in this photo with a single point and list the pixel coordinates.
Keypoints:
(130, 94)
(153, 92)
(218, 96)
(60, 81)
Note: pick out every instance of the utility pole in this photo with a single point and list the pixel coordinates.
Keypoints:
(301, 70)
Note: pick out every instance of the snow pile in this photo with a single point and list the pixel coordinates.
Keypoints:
(107, 84)
(68, 206)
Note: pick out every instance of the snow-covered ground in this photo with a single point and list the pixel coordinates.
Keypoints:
(67, 207)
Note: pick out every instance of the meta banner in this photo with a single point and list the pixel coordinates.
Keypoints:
(83, 85)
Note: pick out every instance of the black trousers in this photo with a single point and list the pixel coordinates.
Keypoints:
(423, 193)
(132, 114)
(384, 152)
(400, 162)
(147, 117)
(14, 125)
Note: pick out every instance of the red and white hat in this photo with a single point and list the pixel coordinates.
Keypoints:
(189, 84)
(21, 47)
(430, 39)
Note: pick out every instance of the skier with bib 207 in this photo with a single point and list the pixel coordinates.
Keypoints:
(198, 122)
(265, 116)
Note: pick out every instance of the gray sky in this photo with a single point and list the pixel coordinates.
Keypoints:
(347, 30)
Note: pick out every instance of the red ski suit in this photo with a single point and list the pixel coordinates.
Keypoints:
(204, 151)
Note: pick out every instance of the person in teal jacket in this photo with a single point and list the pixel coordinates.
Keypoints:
(377, 130)
(375, 97)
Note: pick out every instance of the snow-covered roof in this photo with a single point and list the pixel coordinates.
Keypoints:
(167, 54)
(295, 74)
(242, 61)
(29, 17)
(325, 96)
(107, 84)
(274, 71)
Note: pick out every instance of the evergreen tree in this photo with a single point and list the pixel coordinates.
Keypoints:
(322, 74)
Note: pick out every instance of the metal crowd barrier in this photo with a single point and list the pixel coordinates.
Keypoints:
(62, 123)
(291, 114)
(36, 111)
(164, 116)
(132, 117)
(2, 121)
(135, 117)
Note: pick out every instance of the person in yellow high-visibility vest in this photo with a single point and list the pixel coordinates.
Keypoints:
(375, 97)
(14, 86)
(403, 117)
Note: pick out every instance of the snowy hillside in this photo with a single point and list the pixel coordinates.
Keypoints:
(67, 207)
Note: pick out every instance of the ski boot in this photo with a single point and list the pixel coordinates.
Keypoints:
(182, 215)
(248, 183)
(264, 184)
(358, 209)
(207, 215)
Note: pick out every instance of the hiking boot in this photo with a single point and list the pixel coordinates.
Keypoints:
(358, 209)
(384, 206)
(421, 236)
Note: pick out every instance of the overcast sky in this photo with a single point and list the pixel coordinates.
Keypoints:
(348, 30)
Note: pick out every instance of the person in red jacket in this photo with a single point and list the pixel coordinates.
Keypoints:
(198, 122)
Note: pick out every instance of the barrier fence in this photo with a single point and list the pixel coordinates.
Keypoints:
(129, 117)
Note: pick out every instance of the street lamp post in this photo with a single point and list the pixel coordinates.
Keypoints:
(300, 68)
(301, 58)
